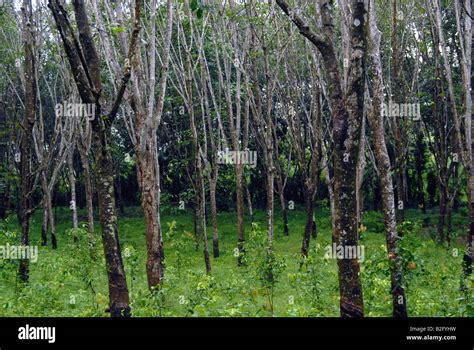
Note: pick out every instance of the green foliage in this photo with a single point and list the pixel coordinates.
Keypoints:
(72, 281)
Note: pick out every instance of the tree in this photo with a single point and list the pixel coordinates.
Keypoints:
(184, 66)
(304, 118)
(142, 129)
(27, 182)
(376, 121)
(347, 107)
(85, 66)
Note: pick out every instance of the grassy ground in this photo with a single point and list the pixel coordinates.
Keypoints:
(67, 282)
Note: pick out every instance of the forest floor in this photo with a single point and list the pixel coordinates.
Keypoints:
(67, 282)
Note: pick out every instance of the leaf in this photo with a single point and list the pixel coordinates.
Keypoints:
(118, 30)
(194, 5)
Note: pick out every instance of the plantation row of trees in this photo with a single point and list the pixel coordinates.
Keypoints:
(223, 105)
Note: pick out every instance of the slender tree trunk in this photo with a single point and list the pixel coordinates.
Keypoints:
(419, 165)
(449, 216)
(239, 188)
(468, 250)
(384, 167)
(442, 213)
(26, 140)
(200, 189)
(147, 175)
(215, 230)
(72, 185)
(202, 213)
(89, 199)
(48, 215)
(52, 224)
(196, 223)
(44, 225)
(270, 193)
(249, 202)
(309, 221)
(284, 208)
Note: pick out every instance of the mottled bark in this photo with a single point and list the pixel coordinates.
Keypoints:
(375, 118)
(26, 141)
(147, 173)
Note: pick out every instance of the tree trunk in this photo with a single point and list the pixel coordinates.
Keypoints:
(384, 167)
(420, 165)
(442, 213)
(89, 199)
(118, 184)
(284, 208)
(118, 290)
(44, 225)
(270, 192)
(147, 175)
(48, 215)
(200, 191)
(26, 140)
(215, 230)
(249, 202)
(449, 218)
(361, 163)
(239, 188)
(202, 213)
(72, 185)
(309, 221)
(52, 224)
(468, 250)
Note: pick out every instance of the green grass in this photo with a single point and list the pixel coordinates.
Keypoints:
(67, 282)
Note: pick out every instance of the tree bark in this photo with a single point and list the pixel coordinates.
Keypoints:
(26, 140)
(375, 117)
(89, 198)
(147, 175)
(215, 230)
